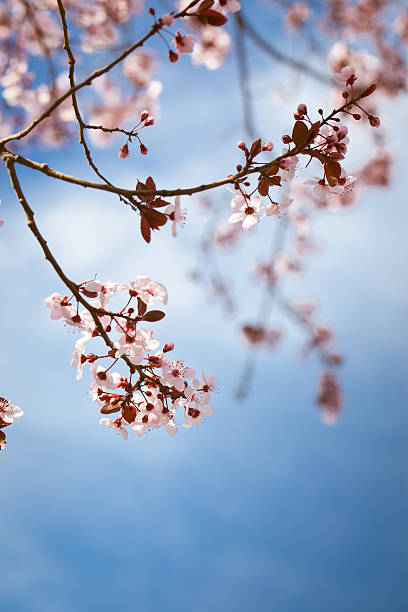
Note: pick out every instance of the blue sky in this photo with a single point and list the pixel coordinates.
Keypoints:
(261, 507)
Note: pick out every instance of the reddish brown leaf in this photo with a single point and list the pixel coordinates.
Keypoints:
(272, 169)
(108, 409)
(90, 294)
(300, 133)
(158, 203)
(275, 180)
(153, 315)
(313, 131)
(150, 184)
(154, 217)
(141, 307)
(255, 148)
(263, 186)
(332, 169)
(205, 5)
(211, 17)
(144, 227)
(129, 413)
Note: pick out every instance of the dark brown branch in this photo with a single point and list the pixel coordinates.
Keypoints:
(96, 74)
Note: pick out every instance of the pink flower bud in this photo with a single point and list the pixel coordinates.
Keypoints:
(286, 139)
(124, 152)
(241, 145)
(169, 346)
(143, 149)
(267, 146)
(149, 121)
(144, 115)
(302, 109)
(167, 20)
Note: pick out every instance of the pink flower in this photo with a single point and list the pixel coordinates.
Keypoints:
(174, 373)
(115, 426)
(57, 310)
(195, 416)
(184, 44)
(246, 210)
(276, 209)
(347, 75)
(78, 358)
(8, 411)
(176, 215)
(1, 223)
(147, 290)
(168, 20)
(205, 387)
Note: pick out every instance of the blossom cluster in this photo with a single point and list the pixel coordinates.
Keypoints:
(325, 140)
(154, 387)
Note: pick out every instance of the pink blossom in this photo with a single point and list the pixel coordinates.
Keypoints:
(174, 373)
(9, 411)
(205, 387)
(78, 358)
(246, 210)
(148, 290)
(176, 215)
(57, 310)
(168, 20)
(184, 43)
(195, 416)
(115, 426)
(347, 75)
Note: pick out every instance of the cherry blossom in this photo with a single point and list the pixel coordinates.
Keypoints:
(246, 210)
(347, 75)
(184, 43)
(176, 214)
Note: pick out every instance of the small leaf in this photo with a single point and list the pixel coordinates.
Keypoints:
(153, 315)
(108, 409)
(300, 133)
(129, 413)
(141, 307)
(332, 169)
(205, 5)
(272, 169)
(154, 217)
(275, 180)
(158, 203)
(255, 148)
(263, 186)
(313, 131)
(90, 294)
(150, 184)
(144, 227)
(211, 17)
